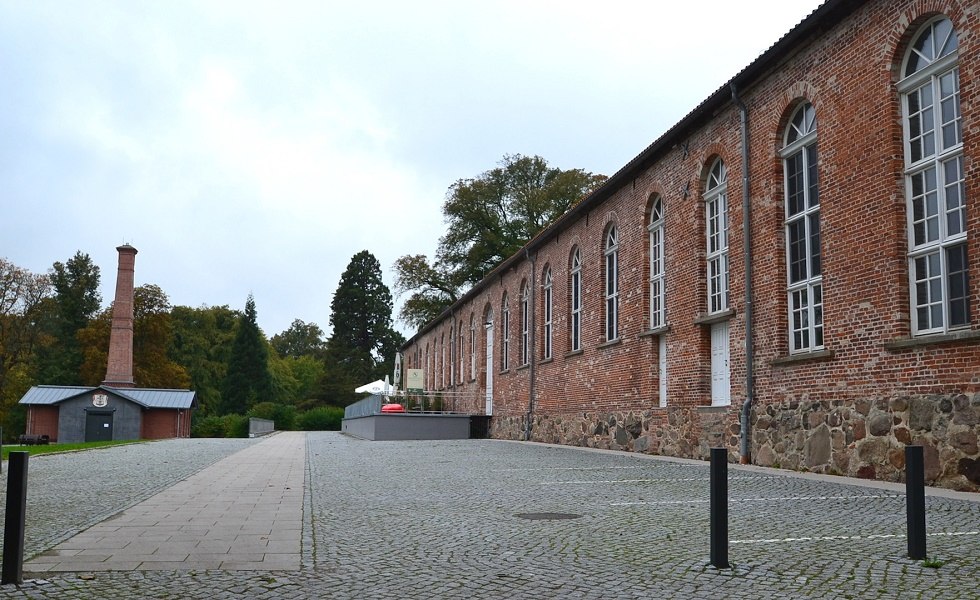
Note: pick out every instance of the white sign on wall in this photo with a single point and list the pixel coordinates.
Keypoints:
(414, 382)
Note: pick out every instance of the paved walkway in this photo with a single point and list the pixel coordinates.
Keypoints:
(242, 513)
(479, 519)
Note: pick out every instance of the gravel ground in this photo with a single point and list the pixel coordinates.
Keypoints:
(446, 519)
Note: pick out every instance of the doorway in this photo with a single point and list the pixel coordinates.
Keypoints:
(98, 426)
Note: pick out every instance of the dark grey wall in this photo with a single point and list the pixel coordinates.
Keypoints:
(407, 426)
(127, 418)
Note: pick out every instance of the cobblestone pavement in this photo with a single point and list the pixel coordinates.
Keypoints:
(440, 519)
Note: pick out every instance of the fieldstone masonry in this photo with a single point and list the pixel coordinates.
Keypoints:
(866, 438)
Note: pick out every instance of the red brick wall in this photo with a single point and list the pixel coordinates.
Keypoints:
(165, 423)
(43, 420)
(849, 75)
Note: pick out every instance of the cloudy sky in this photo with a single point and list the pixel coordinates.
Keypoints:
(256, 147)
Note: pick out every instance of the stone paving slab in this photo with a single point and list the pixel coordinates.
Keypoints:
(242, 499)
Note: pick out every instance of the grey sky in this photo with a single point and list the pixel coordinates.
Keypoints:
(256, 147)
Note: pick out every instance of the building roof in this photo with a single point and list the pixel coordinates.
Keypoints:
(823, 18)
(147, 398)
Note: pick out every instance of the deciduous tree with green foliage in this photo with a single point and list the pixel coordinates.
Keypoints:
(76, 301)
(488, 219)
(362, 341)
(202, 340)
(301, 339)
(247, 380)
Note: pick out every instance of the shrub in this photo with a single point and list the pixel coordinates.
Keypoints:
(284, 415)
(220, 427)
(324, 418)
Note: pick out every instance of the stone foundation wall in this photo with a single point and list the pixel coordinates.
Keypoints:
(867, 438)
(864, 439)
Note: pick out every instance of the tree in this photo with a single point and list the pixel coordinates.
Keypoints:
(360, 345)
(301, 339)
(247, 380)
(152, 339)
(201, 344)
(76, 287)
(488, 219)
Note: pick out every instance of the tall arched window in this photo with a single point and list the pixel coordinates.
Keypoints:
(472, 346)
(575, 304)
(611, 253)
(934, 183)
(505, 335)
(452, 349)
(716, 217)
(547, 302)
(460, 355)
(658, 292)
(803, 265)
(525, 324)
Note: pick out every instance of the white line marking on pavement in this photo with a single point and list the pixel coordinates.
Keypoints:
(564, 469)
(849, 537)
(774, 499)
(672, 480)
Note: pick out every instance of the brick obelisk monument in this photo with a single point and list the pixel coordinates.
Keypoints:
(119, 369)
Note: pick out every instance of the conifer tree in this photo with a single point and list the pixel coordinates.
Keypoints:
(247, 380)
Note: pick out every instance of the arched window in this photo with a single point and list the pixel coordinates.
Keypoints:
(472, 347)
(934, 182)
(716, 217)
(452, 349)
(658, 292)
(505, 337)
(575, 290)
(802, 210)
(611, 253)
(460, 356)
(525, 324)
(547, 302)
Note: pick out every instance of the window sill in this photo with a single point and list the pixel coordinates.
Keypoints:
(545, 361)
(792, 359)
(965, 335)
(610, 343)
(573, 353)
(654, 332)
(705, 319)
(504, 371)
(714, 409)
(523, 367)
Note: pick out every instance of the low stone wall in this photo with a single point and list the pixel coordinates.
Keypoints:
(867, 438)
(864, 439)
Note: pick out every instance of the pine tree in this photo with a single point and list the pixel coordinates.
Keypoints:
(247, 380)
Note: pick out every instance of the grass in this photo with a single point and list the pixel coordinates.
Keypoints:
(933, 563)
(35, 450)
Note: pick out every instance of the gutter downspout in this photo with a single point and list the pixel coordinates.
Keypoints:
(530, 345)
(746, 416)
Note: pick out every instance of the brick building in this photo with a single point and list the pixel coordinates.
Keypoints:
(791, 271)
(117, 409)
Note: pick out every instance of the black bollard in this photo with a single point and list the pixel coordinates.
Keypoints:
(719, 508)
(13, 523)
(915, 501)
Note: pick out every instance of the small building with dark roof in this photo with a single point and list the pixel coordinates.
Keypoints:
(70, 414)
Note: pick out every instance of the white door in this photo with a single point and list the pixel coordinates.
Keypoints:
(721, 378)
(662, 377)
(489, 409)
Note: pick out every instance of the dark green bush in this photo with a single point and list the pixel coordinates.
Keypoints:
(324, 418)
(284, 415)
(220, 427)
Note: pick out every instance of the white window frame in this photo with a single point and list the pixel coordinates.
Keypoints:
(804, 276)
(505, 338)
(547, 313)
(935, 185)
(611, 254)
(658, 271)
(525, 323)
(716, 234)
(575, 287)
(461, 356)
(472, 347)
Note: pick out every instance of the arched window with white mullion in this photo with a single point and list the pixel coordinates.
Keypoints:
(658, 290)
(575, 304)
(934, 180)
(611, 253)
(472, 347)
(547, 298)
(716, 218)
(505, 335)
(802, 214)
(525, 324)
